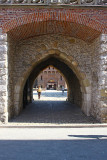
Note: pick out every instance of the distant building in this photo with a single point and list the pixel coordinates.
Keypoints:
(50, 78)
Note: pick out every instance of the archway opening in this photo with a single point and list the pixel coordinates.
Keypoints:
(50, 79)
(57, 112)
(52, 85)
(74, 88)
(54, 111)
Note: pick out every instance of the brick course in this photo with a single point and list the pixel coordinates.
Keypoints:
(85, 24)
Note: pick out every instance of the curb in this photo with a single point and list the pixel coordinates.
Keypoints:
(56, 126)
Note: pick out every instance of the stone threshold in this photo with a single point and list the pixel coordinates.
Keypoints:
(36, 125)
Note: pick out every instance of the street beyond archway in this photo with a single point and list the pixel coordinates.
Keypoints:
(52, 109)
(51, 95)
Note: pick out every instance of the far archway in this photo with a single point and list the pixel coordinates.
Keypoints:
(53, 85)
(74, 89)
(51, 79)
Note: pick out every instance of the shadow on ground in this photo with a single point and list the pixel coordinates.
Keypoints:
(56, 112)
(89, 136)
(53, 149)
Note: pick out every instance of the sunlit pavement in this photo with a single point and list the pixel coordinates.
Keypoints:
(51, 95)
(53, 133)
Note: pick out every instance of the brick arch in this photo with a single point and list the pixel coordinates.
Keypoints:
(54, 21)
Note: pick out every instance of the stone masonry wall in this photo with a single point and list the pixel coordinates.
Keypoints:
(26, 56)
(3, 78)
(103, 77)
(11, 52)
(99, 79)
(31, 49)
(89, 59)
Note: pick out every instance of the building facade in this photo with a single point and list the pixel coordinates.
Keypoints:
(50, 78)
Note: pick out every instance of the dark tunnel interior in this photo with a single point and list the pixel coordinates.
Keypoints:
(74, 92)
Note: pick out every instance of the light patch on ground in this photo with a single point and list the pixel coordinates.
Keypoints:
(51, 95)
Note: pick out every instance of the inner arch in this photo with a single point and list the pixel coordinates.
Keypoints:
(74, 91)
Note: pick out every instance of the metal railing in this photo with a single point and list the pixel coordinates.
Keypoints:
(50, 2)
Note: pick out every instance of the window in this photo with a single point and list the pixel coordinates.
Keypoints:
(41, 78)
(61, 78)
(45, 72)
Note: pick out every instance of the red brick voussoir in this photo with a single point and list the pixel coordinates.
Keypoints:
(90, 21)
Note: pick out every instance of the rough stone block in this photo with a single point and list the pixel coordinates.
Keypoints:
(3, 64)
(43, 47)
(86, 107)
(3, 38)
(2, 107)
(3, 99)
(82, 75)
(2, 82)
(103, 93)
(3, 88)
(88, 90)
(74, 63)
(3, 48)
(72, 40)
(86, 83)
(55, 44)
(104, 38)
(51, 51)
(4, 117)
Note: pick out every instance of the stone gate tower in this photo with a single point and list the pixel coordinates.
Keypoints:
(71, 35)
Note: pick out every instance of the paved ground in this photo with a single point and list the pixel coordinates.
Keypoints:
(52, 108)
(53, 144)
(51, 95)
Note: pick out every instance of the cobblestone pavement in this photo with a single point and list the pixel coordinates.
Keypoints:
(52, 108)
